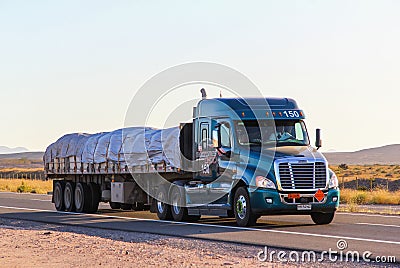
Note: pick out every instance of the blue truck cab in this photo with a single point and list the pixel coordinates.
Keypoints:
(252, 157)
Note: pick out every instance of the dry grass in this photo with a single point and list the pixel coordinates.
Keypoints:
(26, 186)
(21, 170)
(383, 197)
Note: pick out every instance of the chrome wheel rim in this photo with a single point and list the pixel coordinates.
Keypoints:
(160, 205)
(241, 207)
(175, 205)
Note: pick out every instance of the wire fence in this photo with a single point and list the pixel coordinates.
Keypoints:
(21, 175)
(365, 184)
(369, 184)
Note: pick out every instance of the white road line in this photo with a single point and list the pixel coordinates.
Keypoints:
(29, 199)
(368, 215)
(212, 225)
(42, 200)
(378, 224)
(23, 193)
(341, 213)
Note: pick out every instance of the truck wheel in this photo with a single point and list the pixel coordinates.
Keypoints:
(178, 212)
(95, 197)
(69, 197)
(163, 209)
(126, 206)
(82, 197)
(322, 218)
(115, 205)
(242, 208)
(58, 196)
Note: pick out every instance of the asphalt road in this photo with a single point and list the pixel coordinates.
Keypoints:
(362, 232)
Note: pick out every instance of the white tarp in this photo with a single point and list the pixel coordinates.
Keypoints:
(135, 146)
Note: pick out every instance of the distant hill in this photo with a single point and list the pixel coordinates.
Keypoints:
(389, 155)
(26, 155)
(28, 160)
(8, 150)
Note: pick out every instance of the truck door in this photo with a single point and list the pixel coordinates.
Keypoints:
(206, 152)
(204, 156)
(223, 166)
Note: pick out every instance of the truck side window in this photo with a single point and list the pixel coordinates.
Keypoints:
(225, 135)
(299, 131)
(204, 138)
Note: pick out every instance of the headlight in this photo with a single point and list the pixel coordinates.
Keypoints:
(333, 180)
(263, 182)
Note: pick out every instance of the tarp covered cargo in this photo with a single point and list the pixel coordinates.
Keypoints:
(133, 146)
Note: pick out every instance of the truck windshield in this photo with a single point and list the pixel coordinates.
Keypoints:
(284, 133)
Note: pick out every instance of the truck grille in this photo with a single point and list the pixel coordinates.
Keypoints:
(302, 176)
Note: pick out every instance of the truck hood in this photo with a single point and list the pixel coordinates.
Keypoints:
(278, 153)
(298, 151)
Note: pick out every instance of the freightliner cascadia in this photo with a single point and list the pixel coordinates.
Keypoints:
(238, 157)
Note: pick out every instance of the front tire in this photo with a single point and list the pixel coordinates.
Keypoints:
(322, 218)
(242, 208)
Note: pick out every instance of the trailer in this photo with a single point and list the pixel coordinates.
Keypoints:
(238, 157)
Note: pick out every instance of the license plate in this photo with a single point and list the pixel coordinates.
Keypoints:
(304, 207)
(293, 196)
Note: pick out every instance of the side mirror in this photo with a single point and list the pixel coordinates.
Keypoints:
(318, 141)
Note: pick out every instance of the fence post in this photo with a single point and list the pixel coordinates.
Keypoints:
(370, 181)
(356, 183)
(387, 184)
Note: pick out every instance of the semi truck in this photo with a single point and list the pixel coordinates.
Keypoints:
(238, 157)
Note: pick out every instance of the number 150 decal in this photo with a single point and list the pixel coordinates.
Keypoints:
(291, 113)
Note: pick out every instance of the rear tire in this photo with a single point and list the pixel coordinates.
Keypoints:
(322, 218)
(82, 197)
(242, 208)
(69, 197)
(179, 213)
(94, 190)
(163, 209)
(58, 195)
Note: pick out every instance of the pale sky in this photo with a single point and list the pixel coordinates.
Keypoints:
(73, 66)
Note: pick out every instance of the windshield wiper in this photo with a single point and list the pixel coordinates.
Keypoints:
(288, 143)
